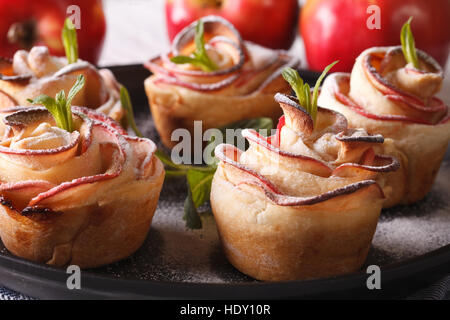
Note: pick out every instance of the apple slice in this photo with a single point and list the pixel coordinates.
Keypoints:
(341, 90)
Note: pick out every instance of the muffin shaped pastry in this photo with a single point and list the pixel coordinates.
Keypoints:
(212, 75)
(303, 203)
(85, 197)
(36, 72)
(388, 94)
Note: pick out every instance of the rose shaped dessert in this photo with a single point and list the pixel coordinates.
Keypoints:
(36, 72)
(85, 197)
(386, 94)
(303, 203)
(212, 75)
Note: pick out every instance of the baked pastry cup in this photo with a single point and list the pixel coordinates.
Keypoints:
(303, 203)
(85, 198)
(30, 74)
(386, 95)
(241, 88)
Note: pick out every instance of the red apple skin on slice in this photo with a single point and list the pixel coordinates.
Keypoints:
(383, 95)
(247, 77)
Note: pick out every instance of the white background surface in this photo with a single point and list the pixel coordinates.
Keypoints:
(136, 31)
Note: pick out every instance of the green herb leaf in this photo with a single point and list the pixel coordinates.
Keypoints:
(316, 89)
(201, 53)
(61, 101)
(183, 59)
(264, 124)
(127, 105)
(199, 190)
(200, 38)
(191, 215)
(293, 78)
(69, 39)
(52, 107)
(79, 84)
(60, 107)
(303, 90)
(199, 57)
(200, 184)
(408, 44)
(165, 159)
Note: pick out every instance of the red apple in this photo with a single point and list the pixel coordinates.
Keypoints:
(25, 23)
(270, 23)
(337, 29)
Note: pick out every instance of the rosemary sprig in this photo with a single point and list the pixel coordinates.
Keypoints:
(303, 90)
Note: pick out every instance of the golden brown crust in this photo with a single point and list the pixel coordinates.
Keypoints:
(177, 108)
(417, 127)
(274, 243)
(91, 205)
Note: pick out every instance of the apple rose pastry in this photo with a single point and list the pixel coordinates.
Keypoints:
(392, 93)
(212, 75)
(303, 203)
(83, 197)
(36, 72)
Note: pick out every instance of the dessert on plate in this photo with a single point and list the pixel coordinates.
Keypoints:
(305, 202)
(35, 72)
(212, 75)
(74, 187)
(391, 91)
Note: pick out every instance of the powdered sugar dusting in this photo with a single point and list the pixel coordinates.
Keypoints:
(408, 231)
(173, 253)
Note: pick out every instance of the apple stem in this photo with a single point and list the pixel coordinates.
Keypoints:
(22, 33)
(215, 3)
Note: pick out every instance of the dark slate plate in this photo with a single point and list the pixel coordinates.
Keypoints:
(411, 245)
